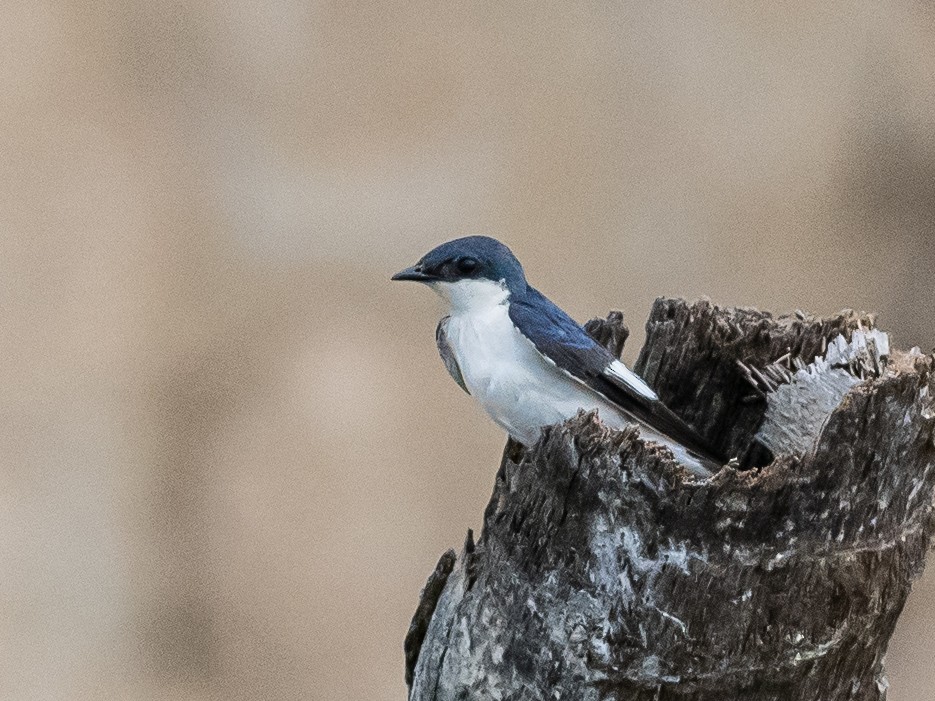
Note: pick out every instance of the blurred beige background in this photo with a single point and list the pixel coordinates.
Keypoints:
(230, 455)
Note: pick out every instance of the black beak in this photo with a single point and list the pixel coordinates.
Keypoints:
(414, 274)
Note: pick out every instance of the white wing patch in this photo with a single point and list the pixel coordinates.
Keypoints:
(631, 379)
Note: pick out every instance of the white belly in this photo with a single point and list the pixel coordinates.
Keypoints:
(515, 385)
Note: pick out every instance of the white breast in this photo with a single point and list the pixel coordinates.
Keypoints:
(516, 386)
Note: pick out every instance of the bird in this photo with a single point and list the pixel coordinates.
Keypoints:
(527, 362)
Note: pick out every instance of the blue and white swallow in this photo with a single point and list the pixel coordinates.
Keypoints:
(527, 362)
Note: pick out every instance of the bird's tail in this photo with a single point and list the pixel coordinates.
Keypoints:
(698, 464)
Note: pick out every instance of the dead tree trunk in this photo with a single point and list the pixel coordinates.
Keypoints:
(605, 571)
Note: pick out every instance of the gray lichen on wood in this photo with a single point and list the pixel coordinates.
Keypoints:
(605, 571)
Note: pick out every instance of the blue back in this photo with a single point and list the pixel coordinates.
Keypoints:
(557, 336)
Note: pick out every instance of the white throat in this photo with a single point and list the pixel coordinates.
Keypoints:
(472, 296)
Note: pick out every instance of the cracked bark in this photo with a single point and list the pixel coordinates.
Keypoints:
(605, 571)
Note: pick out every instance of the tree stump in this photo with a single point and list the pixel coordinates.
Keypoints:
(606, 571)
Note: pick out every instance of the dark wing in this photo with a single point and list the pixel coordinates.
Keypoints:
(448, 356)
(560, 339)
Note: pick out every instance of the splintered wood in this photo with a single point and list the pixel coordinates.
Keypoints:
(605, 571)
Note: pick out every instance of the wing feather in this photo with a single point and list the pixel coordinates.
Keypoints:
(561, 340)
(448, 356)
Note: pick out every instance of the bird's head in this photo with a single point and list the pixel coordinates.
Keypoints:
(469, 272)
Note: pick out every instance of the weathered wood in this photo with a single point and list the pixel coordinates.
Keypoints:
(606, 571)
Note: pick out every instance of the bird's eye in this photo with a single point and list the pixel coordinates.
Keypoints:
(466, 266)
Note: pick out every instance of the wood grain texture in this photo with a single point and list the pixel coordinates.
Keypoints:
(605, 571)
